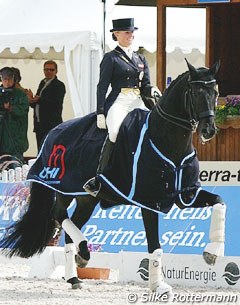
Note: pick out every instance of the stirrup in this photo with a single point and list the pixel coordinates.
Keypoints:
(91, 187)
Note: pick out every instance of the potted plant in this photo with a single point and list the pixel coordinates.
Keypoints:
(228, 111)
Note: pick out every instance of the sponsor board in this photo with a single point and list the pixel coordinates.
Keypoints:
(13, 204)
(180, 231)
(178, 269)
(185, 270)
(219, 173)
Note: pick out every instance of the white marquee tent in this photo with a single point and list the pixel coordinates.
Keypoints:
(69, 32)
(71, 29)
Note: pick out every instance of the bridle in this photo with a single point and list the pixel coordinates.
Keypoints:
(192, 123)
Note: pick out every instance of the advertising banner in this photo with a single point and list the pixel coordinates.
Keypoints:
(180, 231)
(121, 228)
(13, 204)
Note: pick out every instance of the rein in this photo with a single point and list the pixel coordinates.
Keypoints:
(192, 123)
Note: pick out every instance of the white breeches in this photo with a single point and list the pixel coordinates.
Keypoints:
(119, 110)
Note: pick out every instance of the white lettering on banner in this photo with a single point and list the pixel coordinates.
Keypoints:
(114, 237)
(120, 237)
(190, 236)
(120, 212)
(189, 213)
(219, 173)
(182, 238)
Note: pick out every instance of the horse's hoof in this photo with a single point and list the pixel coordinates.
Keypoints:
(75, 282)
(76, 286)
(163, 289)
(81, 262)
(209, 258)
(83, 255)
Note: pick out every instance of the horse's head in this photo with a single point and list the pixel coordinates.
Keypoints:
(201, 99)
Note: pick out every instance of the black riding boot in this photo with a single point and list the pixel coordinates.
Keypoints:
(92, 186)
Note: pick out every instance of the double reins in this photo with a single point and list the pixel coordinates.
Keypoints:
(192, 123)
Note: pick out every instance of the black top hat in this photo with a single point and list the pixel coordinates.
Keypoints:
(126, 24)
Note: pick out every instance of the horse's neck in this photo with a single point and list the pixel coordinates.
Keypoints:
(173, 141)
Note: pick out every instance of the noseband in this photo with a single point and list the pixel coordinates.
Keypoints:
(193, 121)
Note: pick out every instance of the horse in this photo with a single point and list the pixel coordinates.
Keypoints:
(154, 165)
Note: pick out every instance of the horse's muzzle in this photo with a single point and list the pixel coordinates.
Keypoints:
(207, 130)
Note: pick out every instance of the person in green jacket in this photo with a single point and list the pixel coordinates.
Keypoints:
(14, 109)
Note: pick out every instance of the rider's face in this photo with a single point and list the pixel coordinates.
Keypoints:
(125, 38)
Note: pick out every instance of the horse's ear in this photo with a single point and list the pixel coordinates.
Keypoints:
(214, 69)
(192, 70)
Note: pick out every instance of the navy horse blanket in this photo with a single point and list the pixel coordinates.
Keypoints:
(138, 173)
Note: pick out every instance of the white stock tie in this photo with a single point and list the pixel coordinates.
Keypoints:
(129, 53)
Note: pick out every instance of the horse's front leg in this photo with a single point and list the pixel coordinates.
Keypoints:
(156, 280)
(217, 227)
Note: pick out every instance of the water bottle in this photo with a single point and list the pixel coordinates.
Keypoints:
(30, 162)
(4, 175)
(11, 175)
(169, 79)
(25, 169)
(18, 174)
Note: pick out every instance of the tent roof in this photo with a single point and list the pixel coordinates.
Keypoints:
(44, 24)
(138, 2)
(43, 41)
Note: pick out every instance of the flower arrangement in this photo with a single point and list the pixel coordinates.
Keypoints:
(94, 247)
(230, 108)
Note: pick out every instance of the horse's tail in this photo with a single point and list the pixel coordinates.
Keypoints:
(32, 233)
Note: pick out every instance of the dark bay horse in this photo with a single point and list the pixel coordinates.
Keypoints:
(154, 165)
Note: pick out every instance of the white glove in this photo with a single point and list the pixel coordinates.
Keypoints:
(101, 121)
(155, 90)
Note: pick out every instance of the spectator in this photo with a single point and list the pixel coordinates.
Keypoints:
(14, 109)
(48, 102)
(17, 79)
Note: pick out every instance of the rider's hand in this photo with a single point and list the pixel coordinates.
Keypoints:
(101, 121)
(155, 91)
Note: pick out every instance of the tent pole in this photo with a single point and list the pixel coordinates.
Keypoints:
(104, 25)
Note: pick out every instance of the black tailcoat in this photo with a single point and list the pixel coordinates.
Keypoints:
(119, 71)
(50, 106)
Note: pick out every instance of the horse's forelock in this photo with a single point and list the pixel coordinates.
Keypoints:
(203, 74)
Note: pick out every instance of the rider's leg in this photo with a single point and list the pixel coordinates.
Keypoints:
(124, 103)
(93, 186)
(114, 119)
